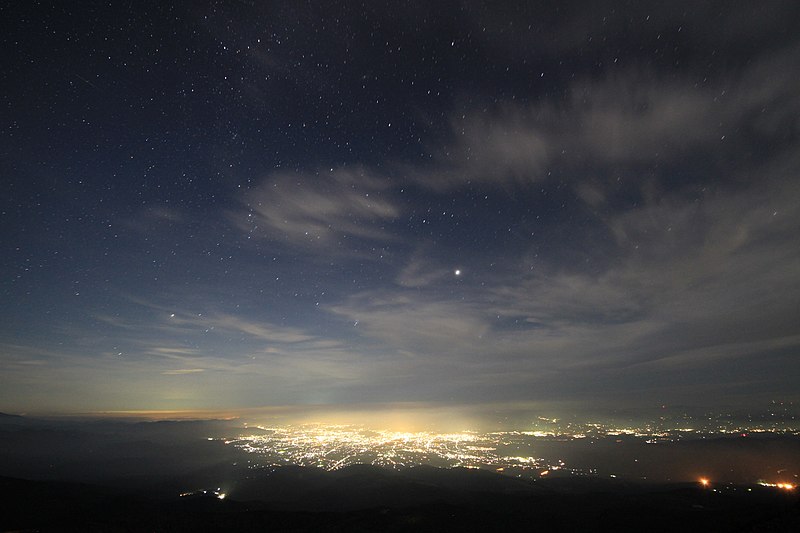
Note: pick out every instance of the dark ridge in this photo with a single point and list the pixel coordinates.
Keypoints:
(64, 506)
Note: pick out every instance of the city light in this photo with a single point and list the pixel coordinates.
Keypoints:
(779, 485)
(335, 447)
(521, 453)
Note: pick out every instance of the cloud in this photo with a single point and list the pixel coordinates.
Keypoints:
(687, 276)
(155, 215)
(182, 371)
(406, 322)
(683, 283)
(223, 324)
(508, 146)
(629, 120)
(330, 210)
(632, 116)
(420, 271)
(171, 352)
(605, 32)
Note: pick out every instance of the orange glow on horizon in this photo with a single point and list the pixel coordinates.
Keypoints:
(783, 485)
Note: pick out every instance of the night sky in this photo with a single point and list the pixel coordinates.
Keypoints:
(229, 205)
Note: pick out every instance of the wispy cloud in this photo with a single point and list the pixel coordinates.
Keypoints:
(329, 210)
(421, 271)
(617, 124)
(414, 323)
(182, 371)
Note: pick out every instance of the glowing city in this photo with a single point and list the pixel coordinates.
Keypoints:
(552, 448)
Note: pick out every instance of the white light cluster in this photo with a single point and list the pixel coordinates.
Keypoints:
(333, 447)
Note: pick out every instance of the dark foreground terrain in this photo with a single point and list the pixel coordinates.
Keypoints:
(371, 499)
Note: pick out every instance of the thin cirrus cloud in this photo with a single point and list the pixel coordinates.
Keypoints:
(630, 117)
(182, 371)
(413, 323)
(421, 271)
(703, 275)
(700, 277)
(329, 210)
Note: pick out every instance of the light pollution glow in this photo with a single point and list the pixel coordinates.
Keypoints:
(332, 447)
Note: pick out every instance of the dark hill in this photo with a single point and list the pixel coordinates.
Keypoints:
(61, 506)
